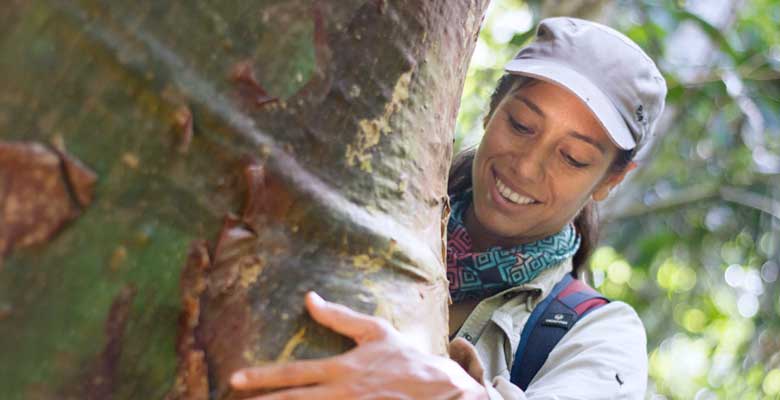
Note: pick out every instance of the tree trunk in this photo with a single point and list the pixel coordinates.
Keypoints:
(175, 176)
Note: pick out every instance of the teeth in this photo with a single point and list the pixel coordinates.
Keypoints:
(511, 195)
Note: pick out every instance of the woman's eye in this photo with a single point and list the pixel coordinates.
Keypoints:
(573, 161)
(517, 126)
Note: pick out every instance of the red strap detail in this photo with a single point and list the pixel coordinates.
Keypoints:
(576, 285)
(588, 304)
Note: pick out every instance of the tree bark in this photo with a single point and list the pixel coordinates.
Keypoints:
(210, 162)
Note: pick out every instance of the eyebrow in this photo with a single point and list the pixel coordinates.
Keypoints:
(530, 105)
(574, 134)
(590, 140)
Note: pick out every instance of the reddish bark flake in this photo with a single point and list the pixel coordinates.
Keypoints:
(234, 240)
(266, 197)
(102, 380)
(192, 381)
(182, 123)
(211, 277)
(254, 176)
(248, 87)
(5, 311)
(227, 325)
(192, 284)
(380, 6)
(81, 179)
(40, 190)
(192, 376)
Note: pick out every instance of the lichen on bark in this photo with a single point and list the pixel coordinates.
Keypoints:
(221, 201)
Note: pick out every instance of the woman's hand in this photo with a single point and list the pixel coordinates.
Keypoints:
(382, 366)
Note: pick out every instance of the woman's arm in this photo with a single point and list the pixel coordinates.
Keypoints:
(382, 365)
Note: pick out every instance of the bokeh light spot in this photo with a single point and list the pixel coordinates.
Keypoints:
(771, 383)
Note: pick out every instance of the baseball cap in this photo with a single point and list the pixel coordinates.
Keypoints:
(604, 68)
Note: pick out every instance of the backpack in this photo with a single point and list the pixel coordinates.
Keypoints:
(569, 301)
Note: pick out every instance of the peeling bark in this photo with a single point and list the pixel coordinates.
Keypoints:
(183, 128)
(248, 87)
(40, 190)
(192, 375)
(101, 382)
(248, 152)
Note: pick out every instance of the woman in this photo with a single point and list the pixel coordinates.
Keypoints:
(563, 126)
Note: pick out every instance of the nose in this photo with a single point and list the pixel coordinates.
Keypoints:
(528, 166)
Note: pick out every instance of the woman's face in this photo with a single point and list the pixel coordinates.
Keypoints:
(543, 156)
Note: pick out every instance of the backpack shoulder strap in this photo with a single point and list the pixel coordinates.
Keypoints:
(569, 301)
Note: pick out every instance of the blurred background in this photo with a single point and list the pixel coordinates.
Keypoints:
(691, 240)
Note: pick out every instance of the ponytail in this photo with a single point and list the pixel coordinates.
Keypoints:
(587, 225)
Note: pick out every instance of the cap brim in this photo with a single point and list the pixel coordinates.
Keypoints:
(589, 93)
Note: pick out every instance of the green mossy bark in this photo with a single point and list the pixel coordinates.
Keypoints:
(106, 79)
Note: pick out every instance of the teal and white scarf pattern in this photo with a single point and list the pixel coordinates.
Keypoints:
(476, 275)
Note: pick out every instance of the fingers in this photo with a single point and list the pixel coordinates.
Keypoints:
(465, 354)
(461, 349)
(358, 326)
(320, 392)
(458, 353)
(297, 373)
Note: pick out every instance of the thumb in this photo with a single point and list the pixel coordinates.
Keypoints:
(342, 319)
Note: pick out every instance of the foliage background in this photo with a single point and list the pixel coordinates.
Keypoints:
(692, 239)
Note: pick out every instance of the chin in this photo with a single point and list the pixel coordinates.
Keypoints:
(497, 224)
(506, 232)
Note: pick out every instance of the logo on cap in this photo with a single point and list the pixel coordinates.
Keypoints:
(640, 114)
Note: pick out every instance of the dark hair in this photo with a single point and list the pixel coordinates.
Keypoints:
(586, 222)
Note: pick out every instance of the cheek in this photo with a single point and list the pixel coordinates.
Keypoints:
(494, 144)
(571, 193)
(489, 147)
(499, 136)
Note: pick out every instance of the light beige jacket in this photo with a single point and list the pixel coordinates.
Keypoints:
(603, 356)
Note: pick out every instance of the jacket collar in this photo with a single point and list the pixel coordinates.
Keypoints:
(542, 285)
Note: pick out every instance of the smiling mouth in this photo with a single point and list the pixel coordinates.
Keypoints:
(510, 195)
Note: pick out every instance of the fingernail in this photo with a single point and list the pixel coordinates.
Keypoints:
(316, 298)
(238, 379)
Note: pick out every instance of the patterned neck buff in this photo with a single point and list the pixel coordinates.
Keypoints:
(477, 275)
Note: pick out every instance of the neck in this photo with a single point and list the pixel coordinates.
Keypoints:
(483, 239)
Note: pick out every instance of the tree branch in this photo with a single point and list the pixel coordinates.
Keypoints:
(750, 199)
(684, 198)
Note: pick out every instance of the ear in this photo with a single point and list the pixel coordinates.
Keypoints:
(602, 190)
